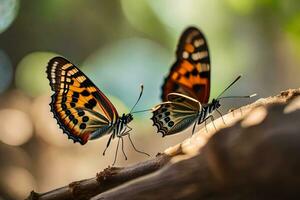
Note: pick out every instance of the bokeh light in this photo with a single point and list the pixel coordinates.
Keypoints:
(15, 126)
(8, 12)
(185, 12)
(17, 181)
(45, 124)
(31, 73)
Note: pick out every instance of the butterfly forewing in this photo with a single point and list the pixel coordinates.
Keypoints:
(190, 74)
(80, 108)
(175, 115)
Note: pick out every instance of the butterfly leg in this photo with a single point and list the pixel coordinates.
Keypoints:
(108, 143)
(126, 132)
(233, 111)
(233, 115)
(122, 140)
(136, 148)
(116, 152)
(221, 116)
(212, 120)
(205, 124)
(194, 127)
(241, 112)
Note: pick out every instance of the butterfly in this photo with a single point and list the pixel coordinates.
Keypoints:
(186, 90)
(82, 111)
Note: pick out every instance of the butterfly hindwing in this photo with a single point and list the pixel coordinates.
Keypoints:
(190, 74)
(80, 108)
(176, 114)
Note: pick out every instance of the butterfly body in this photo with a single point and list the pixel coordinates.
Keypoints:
(116, 129)
(207, 110)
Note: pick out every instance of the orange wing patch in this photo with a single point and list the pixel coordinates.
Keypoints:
(79, 107)
(190, 74)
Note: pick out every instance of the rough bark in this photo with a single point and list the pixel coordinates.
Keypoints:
(254, 156)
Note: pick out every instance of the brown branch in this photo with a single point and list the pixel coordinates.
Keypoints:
(188, 170)
(249, 160)
(108, 178)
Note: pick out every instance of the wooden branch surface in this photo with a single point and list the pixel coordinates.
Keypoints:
(238, 155)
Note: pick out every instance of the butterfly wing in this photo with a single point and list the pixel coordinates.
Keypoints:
(176, 114)
(82, 111)
(190, 74)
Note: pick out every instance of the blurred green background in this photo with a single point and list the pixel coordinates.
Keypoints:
(120, 44)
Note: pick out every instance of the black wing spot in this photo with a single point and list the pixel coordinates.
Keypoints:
(81, 113)
(68, 112)
(85, 93)
(85, 119)
(75, 95)
(164, 109)
(91, 104)
(88, 106)
(175, 87)
(71, 117)
(194, 72)
(74, 100)
(167, 119)
(82, 126)
(64, 99)
(167, 113)
(75, 121)
(204, 74)
(187, 74)
(198, 87)
(72, 104)
(85, 84)
(170, 124)
(64, 106)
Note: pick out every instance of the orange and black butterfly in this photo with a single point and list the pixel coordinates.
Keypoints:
(82, 111)
(190, 74)
(185, 92)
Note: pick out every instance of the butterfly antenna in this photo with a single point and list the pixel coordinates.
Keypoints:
(142, 111)
(229, 86)
(247, 96)
(142, 89)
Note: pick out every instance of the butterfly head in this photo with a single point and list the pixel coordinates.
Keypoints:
(126, 118)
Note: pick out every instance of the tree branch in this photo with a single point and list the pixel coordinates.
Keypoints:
(244, 158)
